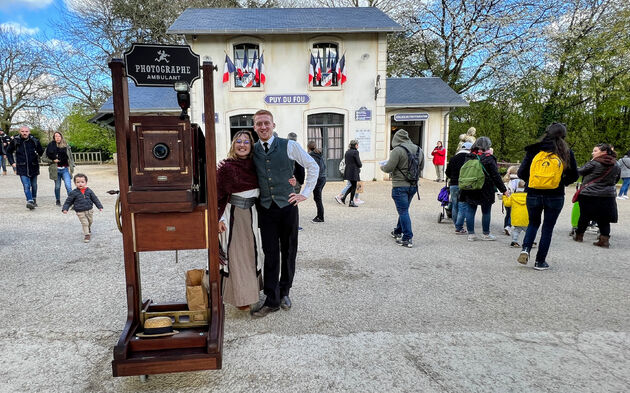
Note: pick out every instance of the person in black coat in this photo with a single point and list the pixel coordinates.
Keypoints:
(550, 201)
(314, 152)
(4, 145)
(352, 170)
(27, 151)
(452, 173)
(484, 197)
(597, 198)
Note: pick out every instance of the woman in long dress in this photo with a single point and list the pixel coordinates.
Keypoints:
(237, 191)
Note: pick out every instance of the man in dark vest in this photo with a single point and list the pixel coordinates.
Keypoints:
(274, 159)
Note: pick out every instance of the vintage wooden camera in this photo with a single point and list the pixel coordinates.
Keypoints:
(167, 201)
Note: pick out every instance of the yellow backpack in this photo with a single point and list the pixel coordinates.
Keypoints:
(545, 172)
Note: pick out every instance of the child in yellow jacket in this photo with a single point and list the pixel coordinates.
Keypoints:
(520, 219)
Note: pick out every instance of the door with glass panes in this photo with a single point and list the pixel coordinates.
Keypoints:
(326, 129)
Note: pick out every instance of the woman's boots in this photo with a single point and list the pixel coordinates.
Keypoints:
(578, 237)
(602, 242)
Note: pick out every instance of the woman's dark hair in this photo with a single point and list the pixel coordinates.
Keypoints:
(628, 153)
(312, 146)
(607, 148)
(353, 144)
(555, 133)
(483, 143)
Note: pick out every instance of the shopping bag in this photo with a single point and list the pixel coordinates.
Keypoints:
(196, 290)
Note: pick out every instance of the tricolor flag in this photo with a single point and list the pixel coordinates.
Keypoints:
(248, 79)
(337, 69)
(327, 77)
(318, 68)
(255, 68)
(311, 69)
(342, 67)
(261, 69)
(328, 63)
(245, 63)
(228, 69)
(239, 66)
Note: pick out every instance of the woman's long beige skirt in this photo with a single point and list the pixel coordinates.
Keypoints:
(242, 285)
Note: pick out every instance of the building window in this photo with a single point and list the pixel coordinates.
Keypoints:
(326, 56)
(246, 60)
(242, 123)
(326, 129)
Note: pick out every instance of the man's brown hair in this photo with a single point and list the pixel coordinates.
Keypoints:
(263, 112)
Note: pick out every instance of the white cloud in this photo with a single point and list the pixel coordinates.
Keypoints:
(25, 3)
(18, 28)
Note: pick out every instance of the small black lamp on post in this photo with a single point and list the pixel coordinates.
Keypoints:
(183, 98)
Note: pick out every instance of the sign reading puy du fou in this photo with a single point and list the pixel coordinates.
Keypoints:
(161, 65)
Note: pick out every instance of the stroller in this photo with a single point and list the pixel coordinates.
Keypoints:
(444, 198)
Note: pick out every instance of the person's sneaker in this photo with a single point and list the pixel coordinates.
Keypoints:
(358, 201)
(625, 197)
(507, 231)
(300, 228)
(35, 202)
(460, 231)
(515, 245)
(338, 199)
(395, 235)
(541, 266)
(488, 237)
(58, 202)
(619, 197)
(351, 204)
(472, 237)
(86, 239)
(30, 205)
(523, 257)
(404, 243)
(317, 219)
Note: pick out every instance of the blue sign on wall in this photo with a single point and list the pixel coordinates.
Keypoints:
(363, 114)
(287, 99)
(411, 116)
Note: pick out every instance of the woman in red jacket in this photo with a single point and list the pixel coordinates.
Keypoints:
(439, 154)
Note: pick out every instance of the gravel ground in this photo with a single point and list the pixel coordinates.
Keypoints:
(368, 316)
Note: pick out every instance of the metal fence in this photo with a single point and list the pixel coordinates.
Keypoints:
(87, 157)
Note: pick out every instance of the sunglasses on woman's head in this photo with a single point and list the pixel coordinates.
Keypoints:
(243, 141)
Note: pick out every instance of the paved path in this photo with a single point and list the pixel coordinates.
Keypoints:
(368, 316)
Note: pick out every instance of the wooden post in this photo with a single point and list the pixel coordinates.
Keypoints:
(215, 328)
(132, 278)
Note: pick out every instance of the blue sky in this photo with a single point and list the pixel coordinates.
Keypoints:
(31, 16)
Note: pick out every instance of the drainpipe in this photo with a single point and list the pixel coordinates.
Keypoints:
(445, 141)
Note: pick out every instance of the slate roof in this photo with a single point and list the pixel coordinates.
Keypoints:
(421, 92)
(282, 21)
(147, 99)
(141, 100)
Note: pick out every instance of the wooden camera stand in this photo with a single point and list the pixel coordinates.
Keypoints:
(168, 201)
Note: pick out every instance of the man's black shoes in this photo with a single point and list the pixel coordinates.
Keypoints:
(285, 303)
(264, 310)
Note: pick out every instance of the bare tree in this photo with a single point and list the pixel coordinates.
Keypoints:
(466, 42)
(25, 85)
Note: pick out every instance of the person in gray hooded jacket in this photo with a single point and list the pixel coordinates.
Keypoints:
(402, 189)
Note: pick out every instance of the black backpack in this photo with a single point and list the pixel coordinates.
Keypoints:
(413, 166)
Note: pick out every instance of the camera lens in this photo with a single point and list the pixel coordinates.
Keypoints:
(160, 151)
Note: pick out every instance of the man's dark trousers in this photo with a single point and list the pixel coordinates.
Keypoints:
(279, 234)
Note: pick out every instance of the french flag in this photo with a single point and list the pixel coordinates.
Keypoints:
(228, 69)
(337, 69)
(255, 68)
(239, 67)
(311, 69)
(245, 63)
(261, 69)
(318, 68)
(342, 67)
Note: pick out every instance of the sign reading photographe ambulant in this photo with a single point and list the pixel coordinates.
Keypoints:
(411, 116)
(287, 99)
(161, 65)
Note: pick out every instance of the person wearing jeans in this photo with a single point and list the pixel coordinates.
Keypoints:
(471, 210)
(59, 155)
(27, 151)
(624, 164)
(403, 189)
(452, 172)
(547, 201)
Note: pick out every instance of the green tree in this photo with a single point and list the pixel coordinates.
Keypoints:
(85, 136)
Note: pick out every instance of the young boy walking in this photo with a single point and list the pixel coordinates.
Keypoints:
(83, 200)
(519, 216)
